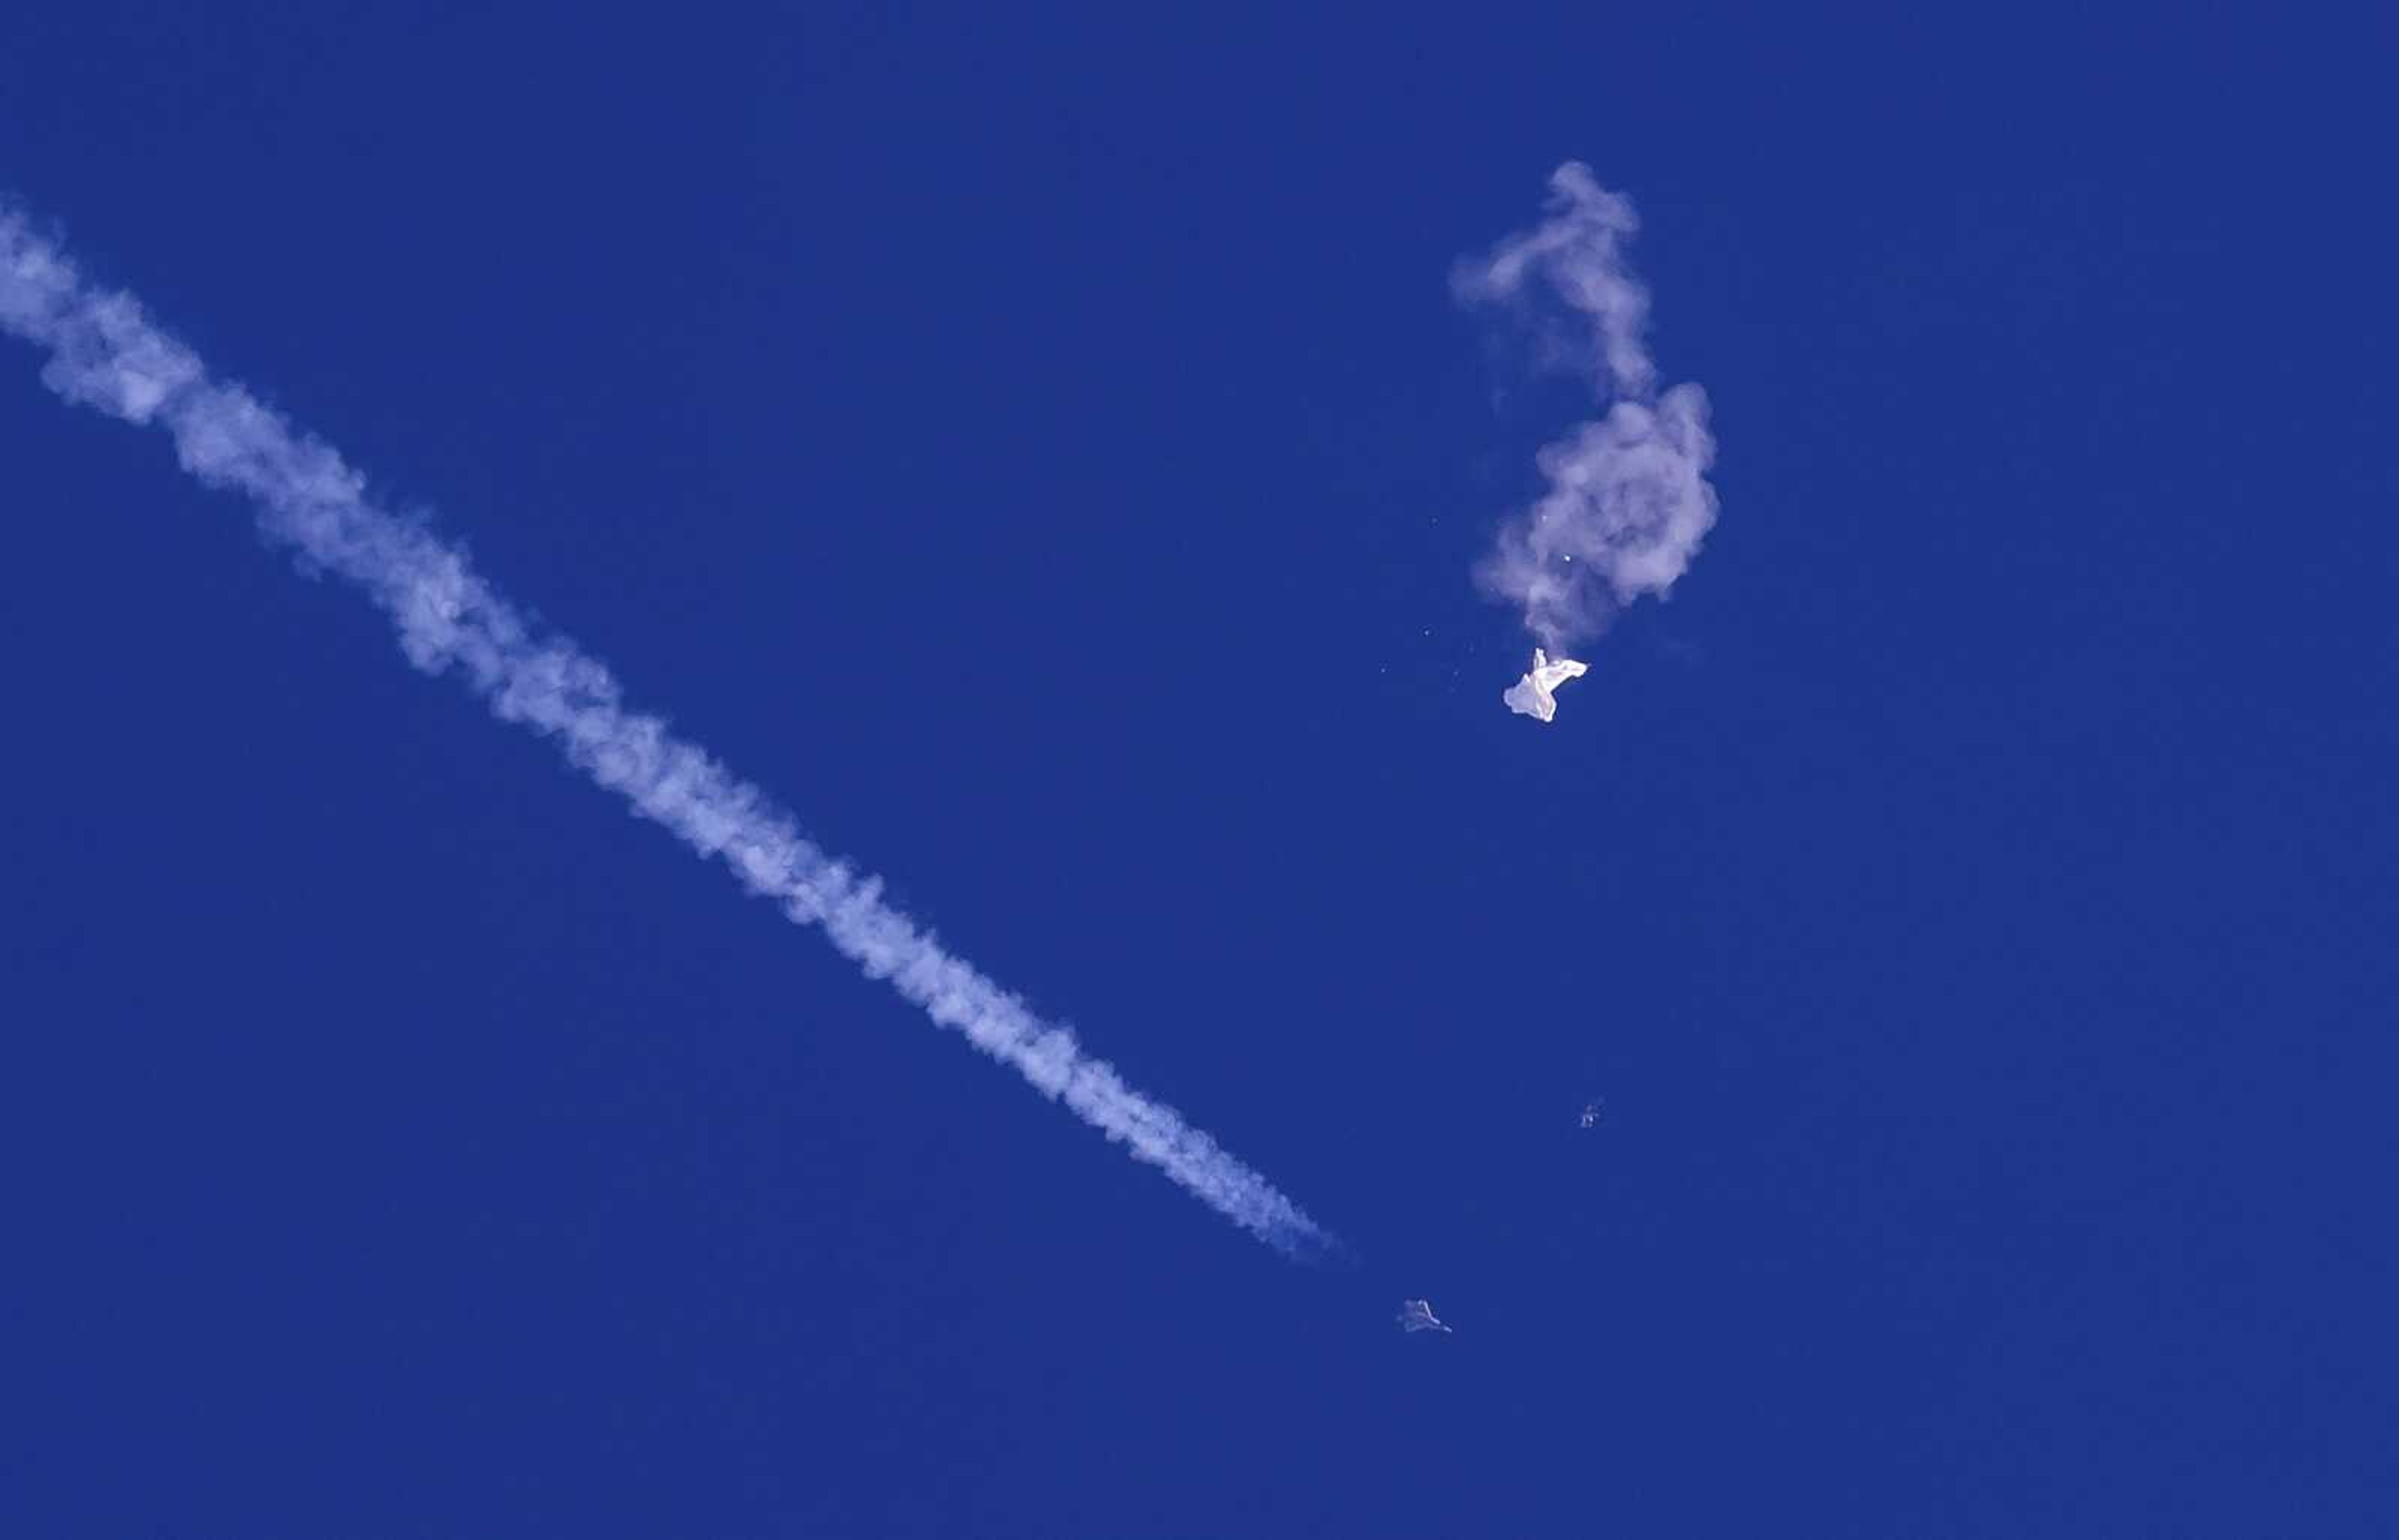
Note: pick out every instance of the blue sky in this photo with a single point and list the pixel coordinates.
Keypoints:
(1042, 451)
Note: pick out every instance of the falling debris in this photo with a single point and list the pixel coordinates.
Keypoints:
(1530, 696)
(1417, 1316)
(1591, 1115)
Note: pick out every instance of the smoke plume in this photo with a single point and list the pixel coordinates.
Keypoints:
(1627, 502)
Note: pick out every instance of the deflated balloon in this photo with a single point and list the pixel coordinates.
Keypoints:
(1530, 696)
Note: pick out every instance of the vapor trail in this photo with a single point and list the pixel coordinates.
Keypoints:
(1628, 500)
(106, 355)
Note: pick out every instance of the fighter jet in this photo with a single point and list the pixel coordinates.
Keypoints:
(1531, 696)
(1417, 1316)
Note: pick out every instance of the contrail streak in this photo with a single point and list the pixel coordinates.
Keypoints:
(106, 355)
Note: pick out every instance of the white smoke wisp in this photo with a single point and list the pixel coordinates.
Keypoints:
(1628, 501)
(106, 355)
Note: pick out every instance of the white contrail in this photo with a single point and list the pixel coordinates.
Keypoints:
(106, 354)
(1628, 500)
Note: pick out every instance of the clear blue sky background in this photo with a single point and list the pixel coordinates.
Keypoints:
(1038, 446)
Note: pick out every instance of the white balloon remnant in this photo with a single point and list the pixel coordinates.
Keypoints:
(1530, 695)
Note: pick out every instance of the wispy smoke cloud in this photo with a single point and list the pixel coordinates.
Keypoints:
(1628, 500)
(106, 354)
